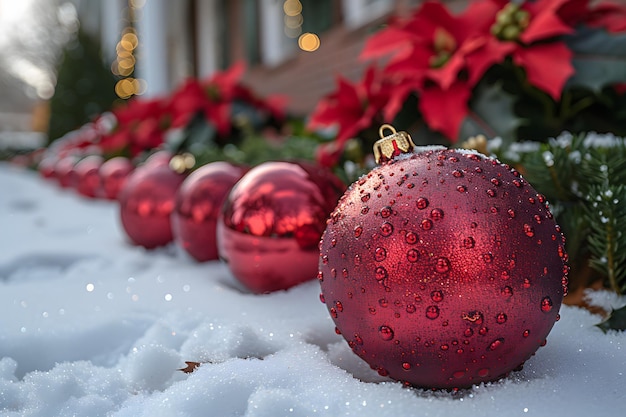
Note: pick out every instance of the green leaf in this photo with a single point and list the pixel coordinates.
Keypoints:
(616, 321)
(599, 58)
(491, 114)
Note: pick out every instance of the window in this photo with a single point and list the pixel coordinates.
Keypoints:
(360, 12)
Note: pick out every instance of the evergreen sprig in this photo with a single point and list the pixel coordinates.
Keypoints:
(584, 179)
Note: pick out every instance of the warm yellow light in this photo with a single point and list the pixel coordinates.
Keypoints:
(129, 41)
(309, 42)
(137, 4)
(124, 88)
(127, 62)
(293, 32)
(139, 86)
(292, 7)
(125, 72)
(293, 22)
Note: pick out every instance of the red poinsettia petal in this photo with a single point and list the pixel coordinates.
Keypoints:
(481, 59)
(444, 110)
(397, 98)
(548, 66)
(545, 23)
(479, 16)
(386, 41)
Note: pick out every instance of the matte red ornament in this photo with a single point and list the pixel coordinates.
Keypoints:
(46, 167)
(146, 204)
(88, 176)
(442, 268)
(113, 175)
(272, 221)
(197, 206)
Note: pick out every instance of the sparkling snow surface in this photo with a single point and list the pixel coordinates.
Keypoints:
(92, 326)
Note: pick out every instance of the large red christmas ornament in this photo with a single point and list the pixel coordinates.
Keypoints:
(88, 176)
(147, 202)
(442, 268)
(272, 221)
(113, 174)
(197, 206)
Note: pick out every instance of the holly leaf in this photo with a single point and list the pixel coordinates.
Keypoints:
(599, 58)
(491, 114)
(615, 321)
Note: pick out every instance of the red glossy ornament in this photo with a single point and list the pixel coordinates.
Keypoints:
(146, 204)
(272, 221)
(113, 175)
(64, 171)
(443, 268)
(88, 177)
(198, 205)
(46, 167)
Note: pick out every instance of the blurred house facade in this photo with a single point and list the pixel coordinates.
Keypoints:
(187, 38)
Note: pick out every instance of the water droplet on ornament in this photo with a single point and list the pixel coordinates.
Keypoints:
(506, 291)
(410, 308)
(426, 224)
(468, 332)
(380, 254)
(339, 306)
(365, 197)
(412, 255)
(344, 273)
(558, 317)
(526, 333)
(365, 210)
(442, 266)
(457, 174)
(322, 299)
(541, 198)
(495, 181)
(546, 304)
(333, 242)
(325, 259)
(483, 331)
(511, 213)
(320, 275)
(385, 332)
(459, 374)
(444, 347)
(461, 188)
(411, 238)
(469, 242)
(473, 225)
(386, 229)
(436, 214)
(505, 275)
(372, 310)
(385, 211)
(531, 200)
(537, 218)
(526, 283)
(406, 366)
(421, 203)
(333, 312)
(436, 296)
(491, 193)
(383, 302)
(358, 231)
(381, 273)
(357, 259)
(382, 371)
(501, 318)
(432, 312)
(410, 185)
(333, 272)
(496, 344)
(483, 372)
(487, 257)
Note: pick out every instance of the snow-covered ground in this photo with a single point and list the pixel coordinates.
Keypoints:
(92, 326)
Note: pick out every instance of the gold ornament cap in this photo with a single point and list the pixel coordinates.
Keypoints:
(390, 146)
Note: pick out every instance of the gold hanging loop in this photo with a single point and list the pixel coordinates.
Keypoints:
(387, 147)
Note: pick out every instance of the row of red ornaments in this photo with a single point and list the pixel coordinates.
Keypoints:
(268, 220)
(440, 268)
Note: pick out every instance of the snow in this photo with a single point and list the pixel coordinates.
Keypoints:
(92, 326)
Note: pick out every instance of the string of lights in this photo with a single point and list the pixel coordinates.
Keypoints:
(124, 64)
(293, 21)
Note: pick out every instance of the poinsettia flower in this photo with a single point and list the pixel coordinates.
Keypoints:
(444, 110)
(534, 29)
(352, 107)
